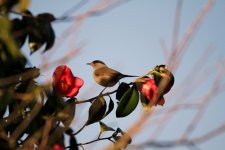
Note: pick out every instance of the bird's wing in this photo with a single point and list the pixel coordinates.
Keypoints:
(107, 72)
(107, 75)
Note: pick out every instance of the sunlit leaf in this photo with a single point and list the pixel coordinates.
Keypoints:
(97, 110)
(128, 102)
(23, 5)
(104, 127)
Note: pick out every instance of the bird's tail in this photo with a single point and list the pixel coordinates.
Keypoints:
(124, 75)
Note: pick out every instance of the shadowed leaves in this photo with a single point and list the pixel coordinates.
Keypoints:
(97, 110)
(38, 29)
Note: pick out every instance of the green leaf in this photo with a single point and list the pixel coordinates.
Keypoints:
(97, 110)
(104, 127)
(128, 102)
(122, 90)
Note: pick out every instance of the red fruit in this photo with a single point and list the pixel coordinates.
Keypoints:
(58, 147)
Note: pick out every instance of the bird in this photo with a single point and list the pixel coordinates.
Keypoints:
(163, 77)
(105, 76)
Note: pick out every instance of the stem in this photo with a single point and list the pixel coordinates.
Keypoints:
(79, 129)
(99, 135)
(101, 94)
(98, 139)
(93, 98)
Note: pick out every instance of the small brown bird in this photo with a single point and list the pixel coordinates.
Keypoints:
(104, 75)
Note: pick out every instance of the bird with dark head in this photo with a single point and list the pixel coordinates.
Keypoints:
(105, 76)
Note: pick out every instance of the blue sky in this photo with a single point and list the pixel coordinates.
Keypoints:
(127, 38)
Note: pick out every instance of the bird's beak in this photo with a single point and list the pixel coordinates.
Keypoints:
(89, 64)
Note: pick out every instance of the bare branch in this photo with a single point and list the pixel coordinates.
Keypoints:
(178, 52)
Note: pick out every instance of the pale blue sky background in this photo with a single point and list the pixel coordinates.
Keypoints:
(127, 38)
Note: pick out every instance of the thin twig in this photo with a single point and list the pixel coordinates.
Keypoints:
(77, 132)
(179, 51)
(93, 98)
(75, 8)
(176, 24)
(98, 139)
(175, 143)
(205, 103)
